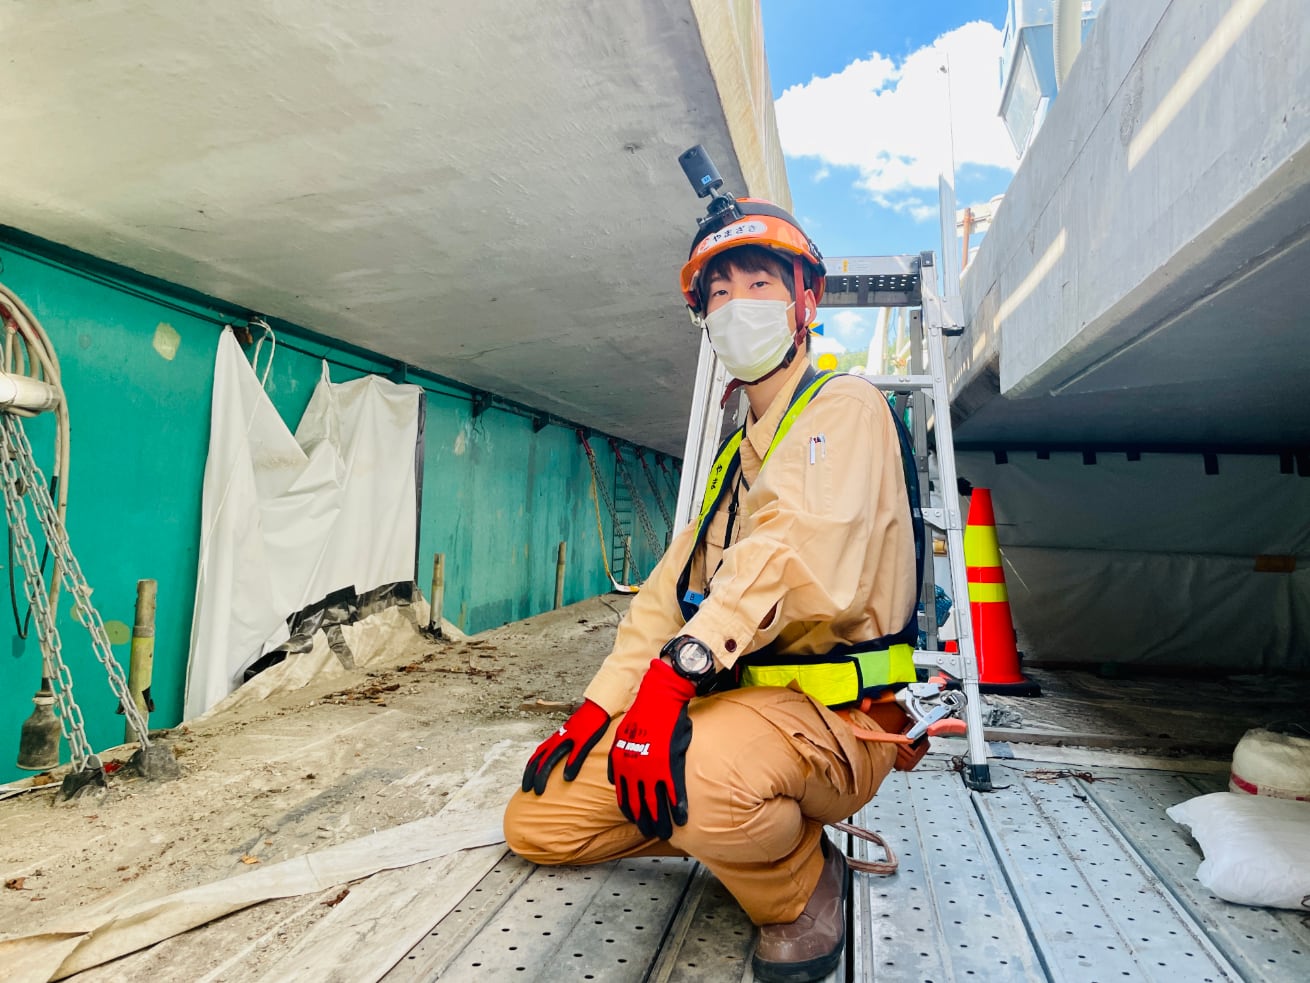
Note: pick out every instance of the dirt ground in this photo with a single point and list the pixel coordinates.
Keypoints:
(297, 772)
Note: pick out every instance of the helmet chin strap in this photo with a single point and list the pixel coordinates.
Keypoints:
(802, 314)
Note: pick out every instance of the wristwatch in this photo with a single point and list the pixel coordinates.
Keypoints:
(691, 658)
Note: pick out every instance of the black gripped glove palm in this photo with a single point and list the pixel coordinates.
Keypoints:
(648, 760)
(573, 740)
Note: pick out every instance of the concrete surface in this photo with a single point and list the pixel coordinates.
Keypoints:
(489, 191)
(1143, 280)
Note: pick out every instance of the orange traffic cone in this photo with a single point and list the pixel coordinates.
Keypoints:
(989, 604)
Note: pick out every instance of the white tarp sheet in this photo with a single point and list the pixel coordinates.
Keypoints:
(288, 519)
(1153, 561)
(78, 942)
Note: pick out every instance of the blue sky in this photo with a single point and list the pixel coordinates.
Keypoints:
(868, 119)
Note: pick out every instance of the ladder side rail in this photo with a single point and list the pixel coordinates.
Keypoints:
(918, 402)
(624, 520)
(704, 423)
(977, 773)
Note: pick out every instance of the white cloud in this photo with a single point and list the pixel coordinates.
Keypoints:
(891, 121)
(822, 343)
(849, 328)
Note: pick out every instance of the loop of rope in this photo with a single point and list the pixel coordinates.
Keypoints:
(881, 867)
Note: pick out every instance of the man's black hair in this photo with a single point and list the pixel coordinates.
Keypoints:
(749, 259)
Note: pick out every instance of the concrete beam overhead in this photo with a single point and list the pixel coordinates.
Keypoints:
(489, 191)
(1149, 256)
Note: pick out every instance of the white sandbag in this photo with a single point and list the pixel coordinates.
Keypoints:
(1269, 763)
(1257, 848)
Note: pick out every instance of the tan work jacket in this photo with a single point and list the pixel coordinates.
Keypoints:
(822, 549)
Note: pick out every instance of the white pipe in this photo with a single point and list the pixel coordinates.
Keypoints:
(20, 392)
(1067, 37)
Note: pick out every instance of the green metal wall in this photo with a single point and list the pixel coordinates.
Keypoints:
(498, 497)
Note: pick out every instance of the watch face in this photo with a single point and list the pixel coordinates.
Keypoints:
(693, 659)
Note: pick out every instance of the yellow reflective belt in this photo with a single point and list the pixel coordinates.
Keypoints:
(839, 683)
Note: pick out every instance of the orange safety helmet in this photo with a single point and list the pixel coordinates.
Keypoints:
(753, 222)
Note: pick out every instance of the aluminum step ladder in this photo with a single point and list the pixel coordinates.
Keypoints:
(911, 282)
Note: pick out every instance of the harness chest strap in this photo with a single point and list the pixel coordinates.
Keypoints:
(848, 676)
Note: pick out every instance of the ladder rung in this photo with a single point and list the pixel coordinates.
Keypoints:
(873, 281)
(901, 381)
(882, 266)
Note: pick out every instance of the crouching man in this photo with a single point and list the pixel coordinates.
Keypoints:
(771, 632)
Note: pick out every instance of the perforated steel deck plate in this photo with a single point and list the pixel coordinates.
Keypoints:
(946, 914)
(432, 955)
(603, 923)
(1094, 911)
(1261, 943)
(1059, 880)
(710, 940)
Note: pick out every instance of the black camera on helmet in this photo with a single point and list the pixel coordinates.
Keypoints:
(707, 181)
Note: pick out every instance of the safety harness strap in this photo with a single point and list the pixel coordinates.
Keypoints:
(841, 677)
(724, 469)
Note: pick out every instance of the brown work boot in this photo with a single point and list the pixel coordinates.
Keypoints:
(810, 947)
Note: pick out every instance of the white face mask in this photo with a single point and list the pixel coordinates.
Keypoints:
(751, 337)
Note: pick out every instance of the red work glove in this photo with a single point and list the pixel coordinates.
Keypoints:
(648, 760)
(574, 739)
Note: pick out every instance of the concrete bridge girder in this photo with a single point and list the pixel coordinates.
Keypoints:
(1145, 268)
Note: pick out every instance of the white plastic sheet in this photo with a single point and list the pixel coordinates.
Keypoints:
(287, 519)
(1153, 562)
(81, 941)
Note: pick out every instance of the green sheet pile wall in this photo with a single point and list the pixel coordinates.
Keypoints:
(137, 361)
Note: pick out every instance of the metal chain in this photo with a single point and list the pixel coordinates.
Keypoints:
(659, 497)
(604, 491)
(652, 540)
(34, 585)
(71, 574)
(673, 482)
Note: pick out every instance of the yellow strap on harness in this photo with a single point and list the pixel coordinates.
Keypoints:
(838, 683)
(727, 456)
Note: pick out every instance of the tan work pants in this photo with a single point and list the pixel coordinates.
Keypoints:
(767, 768)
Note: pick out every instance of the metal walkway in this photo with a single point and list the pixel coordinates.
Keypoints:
(1052, 877)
